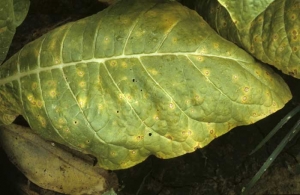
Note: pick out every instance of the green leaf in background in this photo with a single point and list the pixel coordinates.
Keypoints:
(137, 79)
(273, 37)
(109, 2)
(243, 12)
(12, 14)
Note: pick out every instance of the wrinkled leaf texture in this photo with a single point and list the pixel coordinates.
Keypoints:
(273, 37)
(12, 14)
(139, 78)
(243, 12)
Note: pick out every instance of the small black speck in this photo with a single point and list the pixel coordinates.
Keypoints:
(117, 111)
(133, 80)
(150, 134)
(141, 90)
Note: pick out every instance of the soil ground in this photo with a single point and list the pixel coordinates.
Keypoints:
(223, 167)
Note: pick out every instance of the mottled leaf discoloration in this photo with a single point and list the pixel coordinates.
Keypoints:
(123, 84)
(272, 36)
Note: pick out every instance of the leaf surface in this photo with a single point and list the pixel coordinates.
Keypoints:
(272, 37)
(243, 12)
(139, 78)
(12, 14)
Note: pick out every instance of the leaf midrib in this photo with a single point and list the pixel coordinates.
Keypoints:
(103, 60)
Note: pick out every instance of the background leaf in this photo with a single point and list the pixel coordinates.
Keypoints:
(243, 12)
(139, 78)
(12, 14)
(273, 37)
(109, 2)
(52, 167)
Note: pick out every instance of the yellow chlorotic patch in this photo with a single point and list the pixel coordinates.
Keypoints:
(67, 130)
(200, 58)
(42, 121)
(156, 117)
(113, 63)
(206, 72)
(82, 84)
(100, 107)
(246, 89)
(39, 103)
(124, 64)
(244, 99)
(80, 73)
(216, 45)
(257, 39)
(140, 33)
(61, 121)
(124, 165)
(258, 72)
(82, 145)
(151, 13)
(52, 93)
(294, 35)
(295, 49)
(121, 96)
(293, 16)
(52, 83)
(132, 153)
(30, 98)
(275, 37)
(129, 97)
(171, 105)
(57, 109)
(82, 102)
(260, 19)
(113, 154)
(34, 86)
(139, 137)
(230, 126)
(235, 77)
(188, 132)
(124, 20)
(224, 23)
(106, 39)
(169, 137)
(174, 39)
(153, 72)
(203, 50)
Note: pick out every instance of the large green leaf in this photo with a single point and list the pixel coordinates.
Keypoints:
(12, 14)
(273, 37)
(139, 78)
